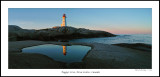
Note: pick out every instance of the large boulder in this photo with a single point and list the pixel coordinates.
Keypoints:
(14, 28)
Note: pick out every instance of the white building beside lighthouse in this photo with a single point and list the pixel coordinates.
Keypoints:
(64, 21)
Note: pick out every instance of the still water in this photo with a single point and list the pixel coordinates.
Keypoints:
(68, 54)
(121, 38)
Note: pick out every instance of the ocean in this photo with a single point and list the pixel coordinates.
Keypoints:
(121, 38)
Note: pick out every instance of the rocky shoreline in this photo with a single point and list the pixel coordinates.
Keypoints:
(137, 46)
(54, 34)
(101, 56)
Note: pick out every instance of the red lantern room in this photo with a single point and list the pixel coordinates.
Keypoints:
(64, 15)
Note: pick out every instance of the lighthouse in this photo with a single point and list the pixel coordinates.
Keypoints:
(64, 21)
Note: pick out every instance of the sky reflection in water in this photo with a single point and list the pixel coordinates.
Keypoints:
(69, 54)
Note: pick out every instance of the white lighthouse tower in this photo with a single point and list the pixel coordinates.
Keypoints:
(64, 21)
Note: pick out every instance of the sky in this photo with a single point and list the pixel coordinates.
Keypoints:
(113, 20)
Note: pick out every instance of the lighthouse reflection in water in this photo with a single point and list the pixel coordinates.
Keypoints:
(64, 50)
(68, 54)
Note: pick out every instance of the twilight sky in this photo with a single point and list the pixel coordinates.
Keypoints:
(114, 20)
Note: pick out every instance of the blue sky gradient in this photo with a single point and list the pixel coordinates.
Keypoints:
(114, 20)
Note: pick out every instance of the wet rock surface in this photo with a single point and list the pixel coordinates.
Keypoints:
(137, 46)
(101, 56)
